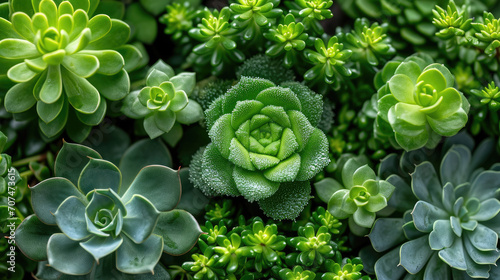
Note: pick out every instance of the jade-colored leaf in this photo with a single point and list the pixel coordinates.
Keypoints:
(434, 78)
(83, 65)
(153, 182)
(253, 185)
(6, 29)
(78, 44)
(454, 256)
(71, 160)
(185, 82)
(52, 87)
(17, 49)
(348, 171)
(425, 215)
(49, 194)
(110, 61)
(364, 218)
(363, 174)
(277, 114)
(114, 87)
(139, 258)
(450, 125)
(117, 36)
(414, 254)
(425, 184)
(165, 120)
(179, 101)
(20, 98)
(414, 141)
(402, 88)
(190, 114)
(99, 174)
(485, 185)
(405, 118)
(99, 25)
(483, 238)
(133, 57)
(243, 111)
(488, 210)
(218, 172)
(70, 217)
(281, 97)
(388, 266)
(288, 202)
(82, 95)
(285, 171)
(376, 203)
(100, 247)
(144, 25)
(326, 188)
(21, 73)
(386, 233)
(156, 78)
(221, 134)
(441, 236)
(60, 249)
(340, 206)
(48, 112)
(480, 257)
(450, 79)
(140, 220)
(288, 144)
(238, 155)
(180, 231)
(301, 128)
(151, 128)
(262, 162)
(94, 118)
(32, 237)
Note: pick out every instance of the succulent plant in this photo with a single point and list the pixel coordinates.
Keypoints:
(369, 42)
(329, 63)
(254, 17)
(231, 251)
(488, 32)
(265, 67)
(67, 62)
(164, 100)
(178, 19)
(311, 12)
(452, 22)
(314, 245)
(360, 197)
(440, 236)
(489, 96)
(106, 228)
(288, 38)
(347, 270)
(204, 266)
(218, 37)
(265, 146)
(321, 217)
(298, 273)
(418, 104)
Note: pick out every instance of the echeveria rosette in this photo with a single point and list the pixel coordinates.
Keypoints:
(360, 197)
(85, 215)
(66, 62)
(164, 100)
(265, 146)
(418, 105)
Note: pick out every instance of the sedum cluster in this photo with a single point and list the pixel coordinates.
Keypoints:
(62, 64)
(264, 145)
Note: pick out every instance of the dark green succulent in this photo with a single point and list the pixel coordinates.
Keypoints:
(104, 227)
(254, 17)
(452, 22)
(488, 33)
(418, 104)
(298, 273)
(178, 19)
(65, 60)
(311, 12)
(314, 245)
(288, 40)
(164, 101)
(347, 270)
(265, 146)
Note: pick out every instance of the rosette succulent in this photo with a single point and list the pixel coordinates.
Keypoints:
(361, 196)
(418, 104)
(164, 100)
(488, 32)
(87, 223)
(311, 12)
(62, 63)
(265, 146)
(253, 17)
(315, 246)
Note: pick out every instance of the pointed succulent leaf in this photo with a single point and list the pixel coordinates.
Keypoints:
(179, 230)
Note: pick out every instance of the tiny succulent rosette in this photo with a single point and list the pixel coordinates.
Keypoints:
(298, 273)
(489, 96)
(265, 146)
(360, 197)
(253, 17)
(452, 22)
(87, 223)
(315, 246)
(311, 12)
(164, 100)
(488, 33)
(62, 64)
(418, 104)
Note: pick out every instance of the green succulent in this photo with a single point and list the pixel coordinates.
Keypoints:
(231, 252)
(164, 100)
(178, 19)
(205, 95)
(347, 270)
(215, 213)
(106, 228)
(452, 22)
(64, 60)
(254, 17)
(265, 146)
(489, 96)
(418, 104)
(204, 266)
(298, 273)
(265, 244)
(437, 237)
(288, 39)
(213, 231)
(218, 37)
(488, 32)
(329, 63)
(314, 245)
(321, 217)
(361, 196)
(369, 42)
(311, 12)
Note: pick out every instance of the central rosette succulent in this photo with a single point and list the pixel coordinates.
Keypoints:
(264, 139)
(56, 56)
(86, 222)
(418, 104)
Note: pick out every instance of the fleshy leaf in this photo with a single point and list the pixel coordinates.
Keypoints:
(139, 258)
(140, 220)
(179, 230)
(253, 185)
(70, 217)
(60, 249)
(32, 237)
(99, 174)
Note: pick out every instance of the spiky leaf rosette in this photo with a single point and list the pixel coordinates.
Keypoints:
(61, 64)
(265, 145)
(164, 100)
(87, 223)
(452, 231)
(418, 104)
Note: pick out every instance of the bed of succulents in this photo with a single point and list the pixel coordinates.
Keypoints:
(249, 139)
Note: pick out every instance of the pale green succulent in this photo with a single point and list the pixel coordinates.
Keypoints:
(87, 223)
(62, 63)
